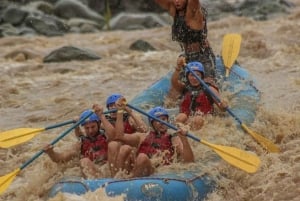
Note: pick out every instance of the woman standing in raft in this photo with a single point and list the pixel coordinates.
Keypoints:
(190, 30)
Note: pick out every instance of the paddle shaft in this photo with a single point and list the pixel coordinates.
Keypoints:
(55, 141)
(161, 121)
(262, 140)
(238, 158)
(73, 121)
(60, 124)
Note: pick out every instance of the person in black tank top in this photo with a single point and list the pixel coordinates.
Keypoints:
(190, 30)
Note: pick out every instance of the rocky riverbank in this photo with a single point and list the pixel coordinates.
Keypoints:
(58, 17)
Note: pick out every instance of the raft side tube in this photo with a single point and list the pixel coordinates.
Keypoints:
(173, 187)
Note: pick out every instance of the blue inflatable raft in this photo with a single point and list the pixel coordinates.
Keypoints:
(174, 186)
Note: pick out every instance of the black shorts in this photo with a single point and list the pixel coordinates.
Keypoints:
(207, 58)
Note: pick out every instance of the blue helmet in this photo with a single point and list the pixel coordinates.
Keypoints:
(91, 118)
(157, 112)
(195, 66)
(112, 99)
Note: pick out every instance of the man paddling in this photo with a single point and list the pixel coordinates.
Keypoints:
(92, 147)
(196, 101)
(138, 149)
(132, 121)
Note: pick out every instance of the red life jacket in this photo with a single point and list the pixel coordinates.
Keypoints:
(154, 143)
(199, 102)
(128, 129)
(94, 148)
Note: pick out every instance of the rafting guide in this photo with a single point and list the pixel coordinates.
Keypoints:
(190, 30)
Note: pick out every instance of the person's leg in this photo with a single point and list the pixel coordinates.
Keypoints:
(171, 99)
(177, 81)
(125, 158)
(210, 69)
(196, 122)
(113, 151)
(143, 166)
(207, 59)
(181, 118)
(89, 169)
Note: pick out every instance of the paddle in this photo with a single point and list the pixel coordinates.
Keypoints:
(246, 161)
(6, 180)
(267, 144)
(230, 50)
(20, 135)
(17, 136)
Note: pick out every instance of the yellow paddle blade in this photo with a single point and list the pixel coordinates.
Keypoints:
(230, 50)
(241, 159)
(6, 180)
(17, 136)
(267, 144)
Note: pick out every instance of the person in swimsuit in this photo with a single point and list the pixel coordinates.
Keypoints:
(190, 30)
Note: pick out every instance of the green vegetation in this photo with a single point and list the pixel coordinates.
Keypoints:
(107, 14)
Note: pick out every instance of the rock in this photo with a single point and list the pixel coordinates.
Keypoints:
(42, 6)
(8, 30)
(88, 28)
(140, 6)
(20, 57)
(68, 53)
(47, 17)
(27, 31)
(132, 6)
(287, 3)
(23, 53)
(29, 1)
(47, 25)
(79, 25)
(14, 15)
(261, 10)
(130, 21)
(141, 45)
(74, 9)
